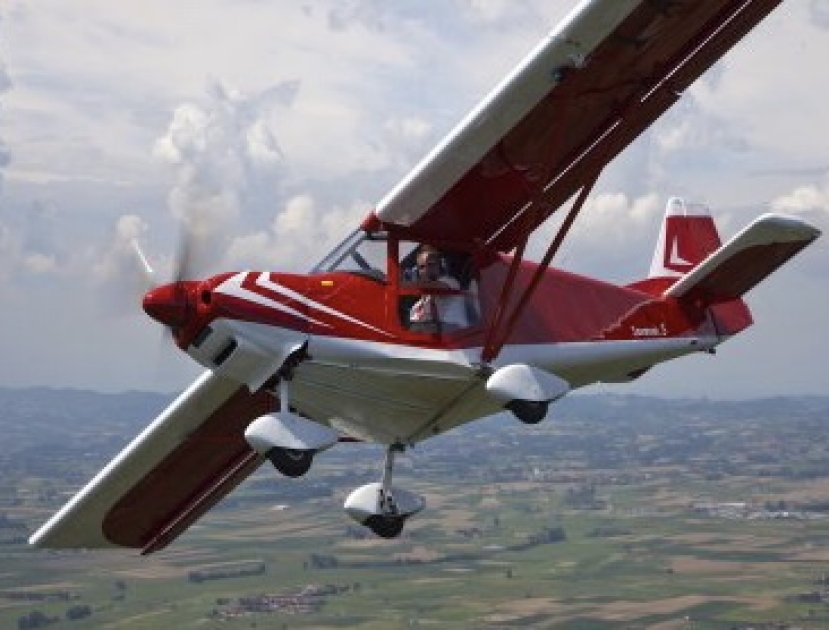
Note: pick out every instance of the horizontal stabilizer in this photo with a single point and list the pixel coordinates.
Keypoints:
(745, 260)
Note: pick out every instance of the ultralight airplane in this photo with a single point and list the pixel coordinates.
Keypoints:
(428, 316)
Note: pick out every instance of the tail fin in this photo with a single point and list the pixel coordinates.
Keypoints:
(688, 236)
(691, 264)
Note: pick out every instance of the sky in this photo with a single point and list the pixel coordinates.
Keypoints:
(272, 128)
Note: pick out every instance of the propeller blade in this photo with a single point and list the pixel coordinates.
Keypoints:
(170, 302)
(186, 254)
(148, 274)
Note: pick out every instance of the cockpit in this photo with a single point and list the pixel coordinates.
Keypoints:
(443, 303)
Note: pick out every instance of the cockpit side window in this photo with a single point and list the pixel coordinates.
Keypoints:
(438, 290)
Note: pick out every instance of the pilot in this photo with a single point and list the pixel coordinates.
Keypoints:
(436, 312)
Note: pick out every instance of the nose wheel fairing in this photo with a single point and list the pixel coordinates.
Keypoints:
(381, 507)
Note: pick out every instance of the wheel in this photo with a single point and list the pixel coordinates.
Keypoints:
(529, 411)
(385, 526)
(289, 462)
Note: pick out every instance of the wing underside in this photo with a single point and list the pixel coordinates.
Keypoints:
(599, 80)
(388, 406)
(192, 455)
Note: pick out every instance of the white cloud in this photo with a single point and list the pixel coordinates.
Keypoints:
(819, 12)
(803, 199)
(30, 244)
(403, 141)
(220, 151)
(763, 91)
(5, 155)
(300, 234)
(494, 11)
(39, 263)
(8, 253)
(120, 255)
(612, 238)
(5, 80)
(118, 277)
(811, 203)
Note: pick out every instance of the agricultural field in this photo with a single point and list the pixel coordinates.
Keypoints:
(614, 513)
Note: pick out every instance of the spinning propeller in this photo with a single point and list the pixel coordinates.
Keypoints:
(172, 303)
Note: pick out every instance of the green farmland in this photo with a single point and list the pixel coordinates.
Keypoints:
(635, 514)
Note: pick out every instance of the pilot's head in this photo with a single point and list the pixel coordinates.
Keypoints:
(428, 263)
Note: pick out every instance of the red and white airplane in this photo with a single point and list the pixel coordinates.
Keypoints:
(299, 362)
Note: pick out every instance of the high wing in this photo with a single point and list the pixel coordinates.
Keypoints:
(182, 464)
(588, 90)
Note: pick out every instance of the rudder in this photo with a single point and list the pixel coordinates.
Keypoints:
(688, 235)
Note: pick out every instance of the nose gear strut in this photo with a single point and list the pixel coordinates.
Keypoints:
(380, 506)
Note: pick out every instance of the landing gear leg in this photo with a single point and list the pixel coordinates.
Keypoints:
(290, 462)
(389, 522)
(287, 439)
(379, 506)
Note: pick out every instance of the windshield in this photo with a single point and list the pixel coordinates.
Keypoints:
(360, 252)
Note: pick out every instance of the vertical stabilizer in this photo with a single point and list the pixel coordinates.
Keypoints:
(687, 237)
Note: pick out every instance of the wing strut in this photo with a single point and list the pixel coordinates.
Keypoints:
(496, 333)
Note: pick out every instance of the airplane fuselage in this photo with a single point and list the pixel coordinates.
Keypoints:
(584, 330)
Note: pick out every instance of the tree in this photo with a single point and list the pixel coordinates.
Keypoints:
(78, 612)
(34, 619)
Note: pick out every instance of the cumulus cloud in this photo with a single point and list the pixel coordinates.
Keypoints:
(8, 252)
(819, 12)
(118, 274)
(120, 256)
(498, 12)
(371, 14)
(612, 238)
(40, 238)
(810, 202)
(805, 199)
(5, 155)
(402, 141)
(230, 171)
(301, 227)
(39, 263)
(222, 150)
(30, 244)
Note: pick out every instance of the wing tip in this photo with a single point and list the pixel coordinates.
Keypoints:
(52, 536)
(789, 227)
